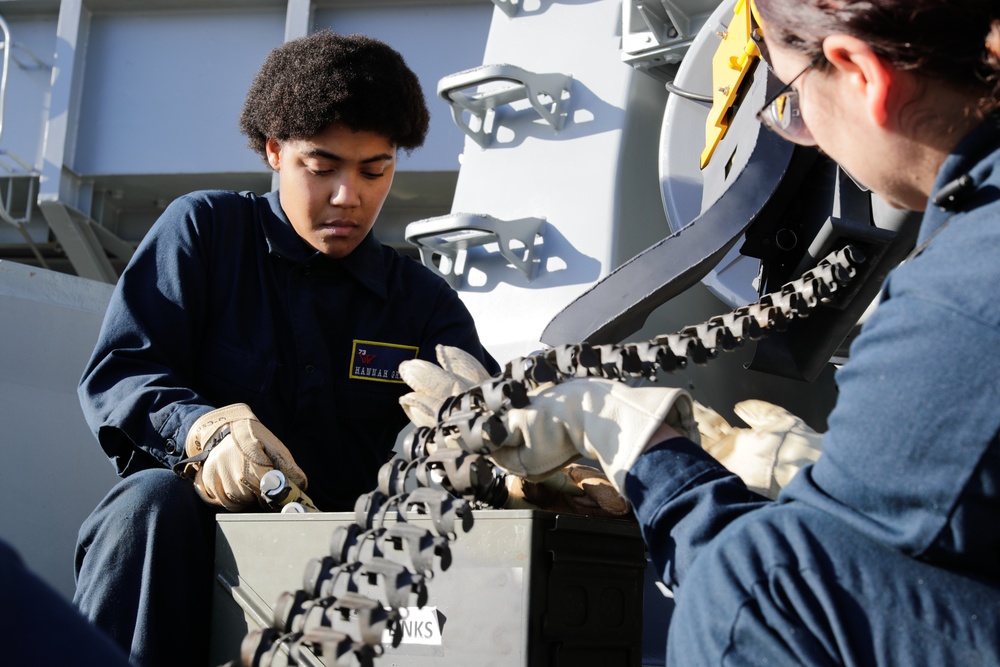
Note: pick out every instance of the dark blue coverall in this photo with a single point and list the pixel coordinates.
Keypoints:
(886, 551)
(224, 303)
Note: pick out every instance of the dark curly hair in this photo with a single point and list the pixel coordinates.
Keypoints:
(952, 40)
(307, 84)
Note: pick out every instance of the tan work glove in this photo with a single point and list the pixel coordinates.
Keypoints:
(577, 489)
(458, 372)
(600, 419)
(765, 456)
(235, 450)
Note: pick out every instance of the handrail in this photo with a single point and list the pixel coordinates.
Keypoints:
(5, 70)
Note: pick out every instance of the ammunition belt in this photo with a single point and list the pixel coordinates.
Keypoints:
(349, 605)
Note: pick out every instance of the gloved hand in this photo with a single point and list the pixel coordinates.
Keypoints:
(765, 456)
(606, 420)
(576, 489)
(600, 419)
(458, 372)
(233, 451)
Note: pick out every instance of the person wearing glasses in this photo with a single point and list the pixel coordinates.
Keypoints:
(885, 551)
(257, 332)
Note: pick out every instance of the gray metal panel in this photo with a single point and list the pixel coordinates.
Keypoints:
(163, 90)
(33, 39)
(574, 177)
(23, 117)
(55, 472)
(143, 106)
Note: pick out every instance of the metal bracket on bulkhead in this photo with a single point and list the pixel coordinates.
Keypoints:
(656, 34)
(509, 7)
(444, 241)
(546, 92)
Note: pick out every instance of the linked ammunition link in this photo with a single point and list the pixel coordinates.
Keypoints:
(351, 599)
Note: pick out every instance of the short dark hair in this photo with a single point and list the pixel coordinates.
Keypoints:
(957, 41)
(307, 84)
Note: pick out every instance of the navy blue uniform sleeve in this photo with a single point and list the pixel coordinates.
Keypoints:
(683, 499)
(135, 390)
(908, 458)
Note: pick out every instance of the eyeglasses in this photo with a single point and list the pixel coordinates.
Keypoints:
(782, 115)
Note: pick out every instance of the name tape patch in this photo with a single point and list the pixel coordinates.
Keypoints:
(379, 362)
